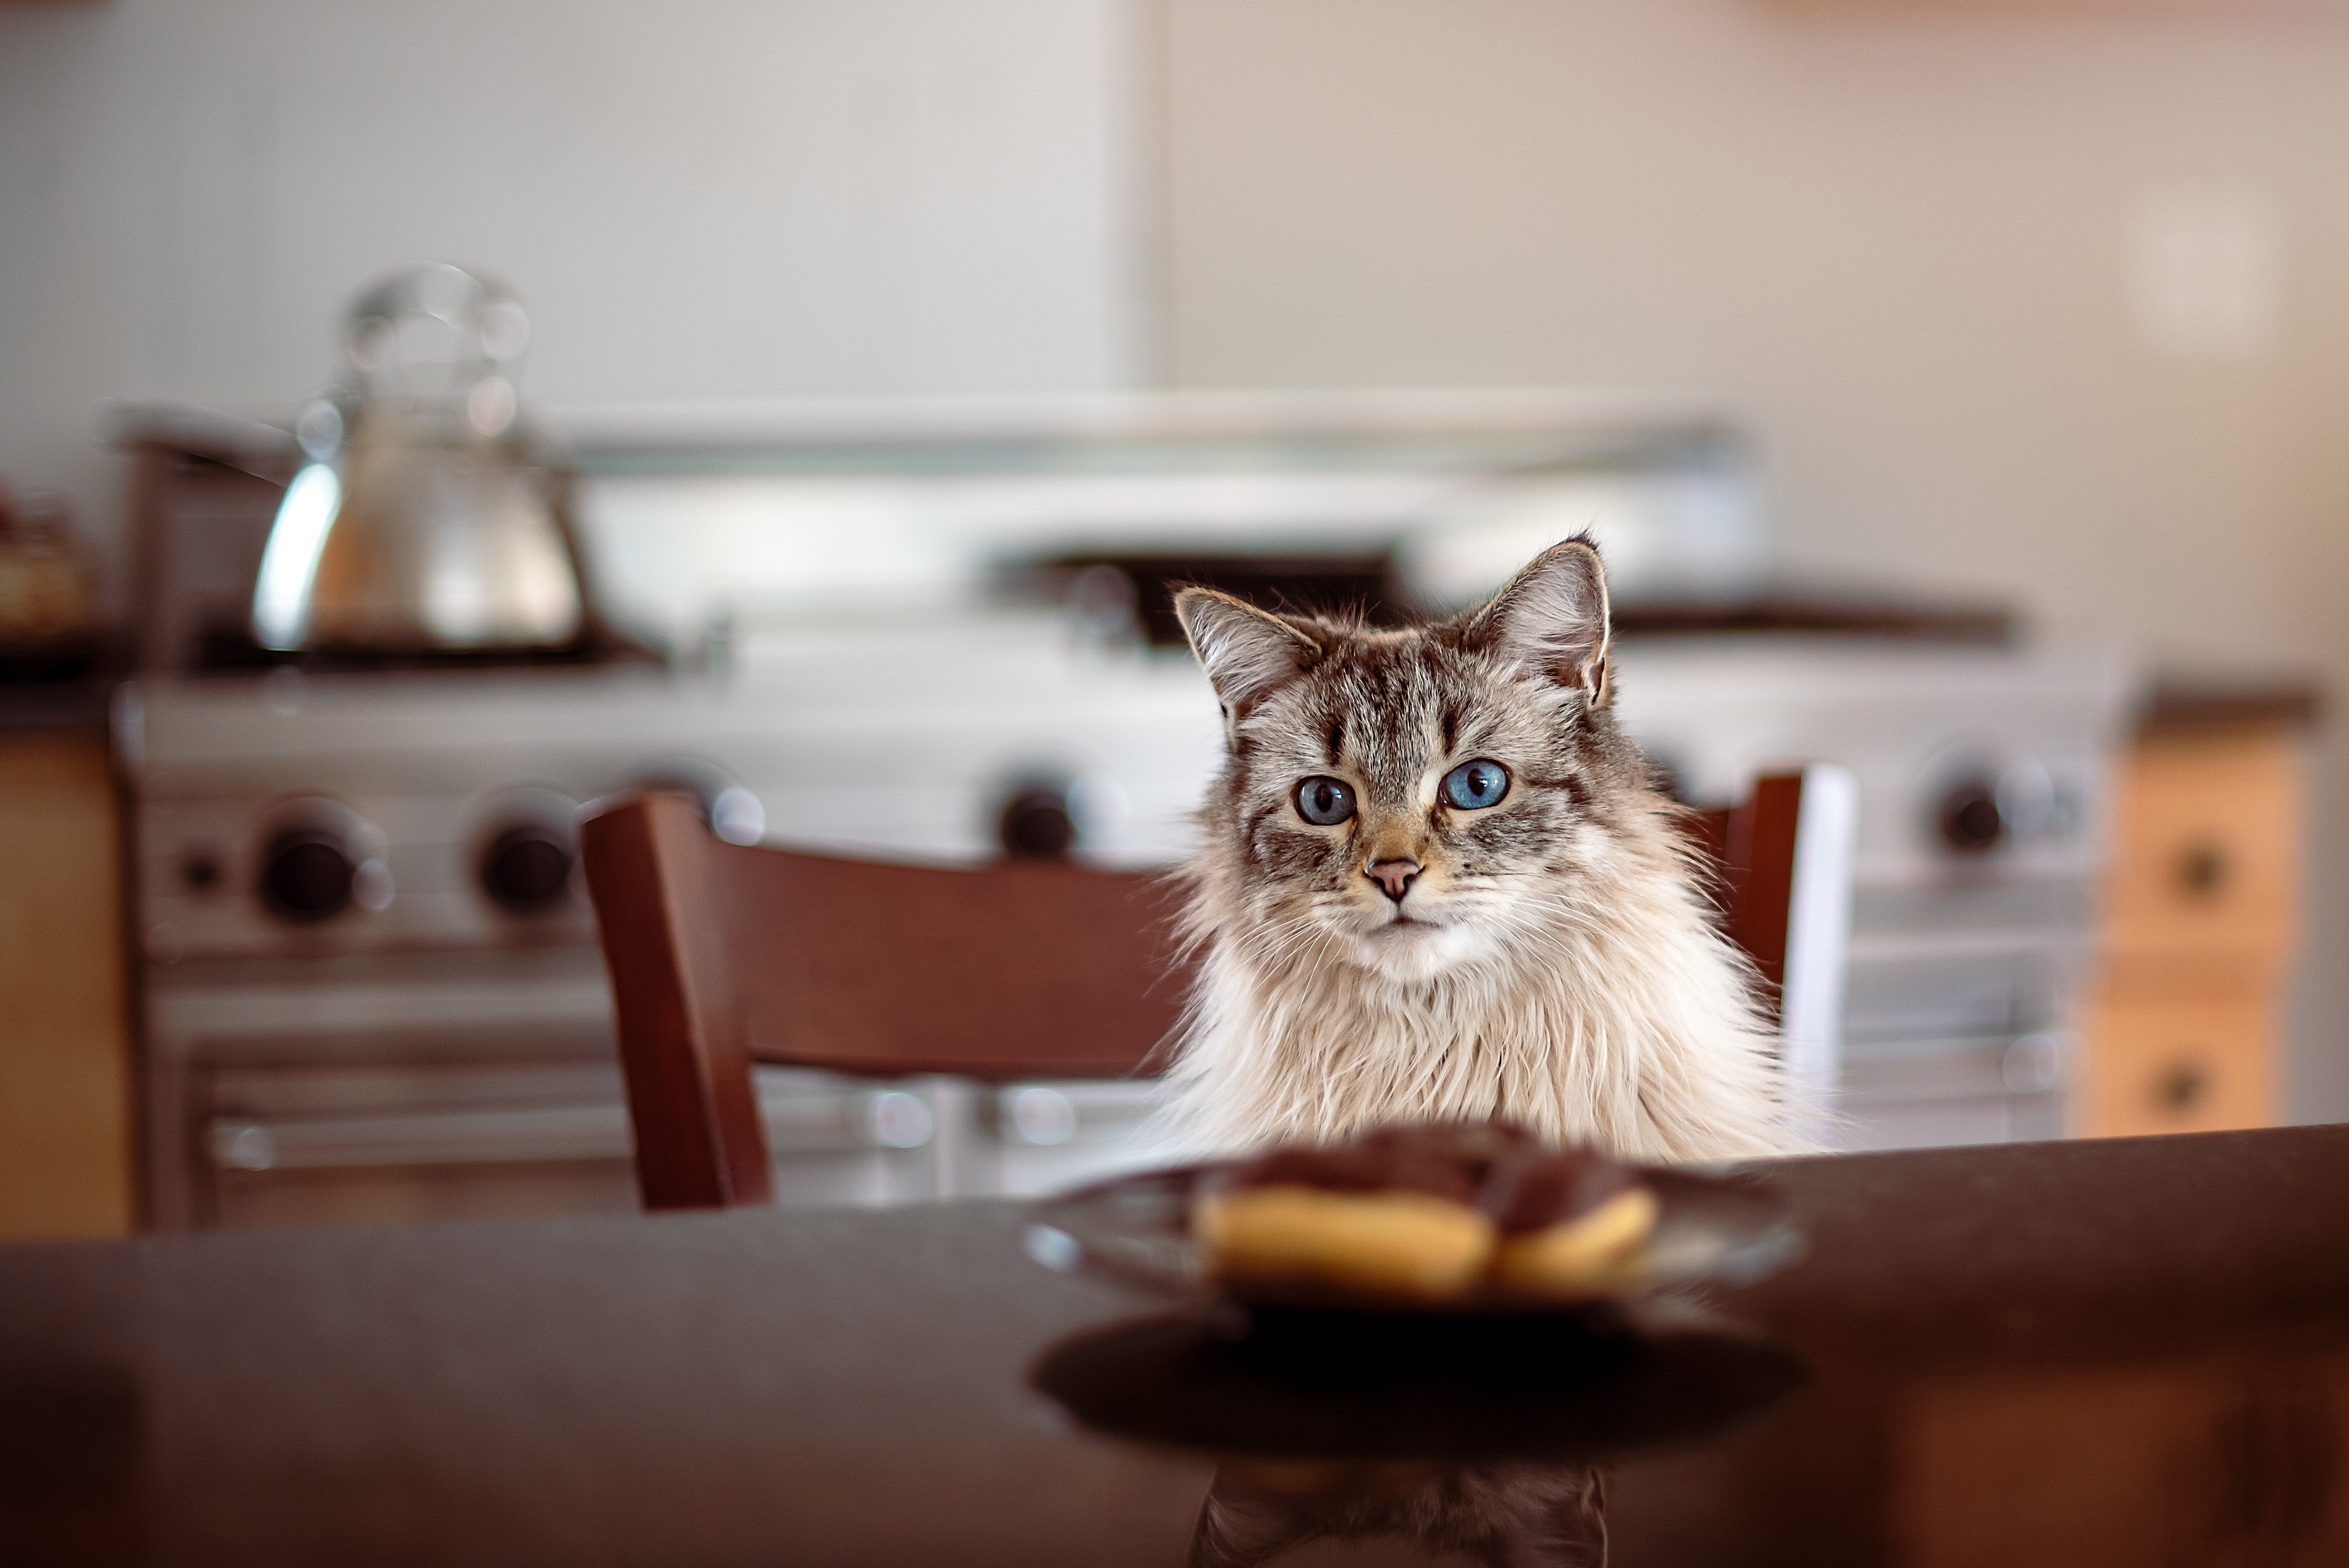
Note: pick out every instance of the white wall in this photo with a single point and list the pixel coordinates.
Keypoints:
(1910, 246)
(1904, 243)
(703, 198)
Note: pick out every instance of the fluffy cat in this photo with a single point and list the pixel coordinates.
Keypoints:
(1434, 881)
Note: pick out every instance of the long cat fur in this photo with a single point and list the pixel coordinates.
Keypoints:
(1555, 963)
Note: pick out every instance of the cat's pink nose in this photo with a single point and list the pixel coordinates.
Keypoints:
(1394, 876)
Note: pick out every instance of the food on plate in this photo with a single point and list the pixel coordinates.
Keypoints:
(1576, 1223)
(1389, 1244)
(1401, 1211)
(1433, 1213)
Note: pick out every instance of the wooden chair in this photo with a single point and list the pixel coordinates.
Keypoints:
(721, 955)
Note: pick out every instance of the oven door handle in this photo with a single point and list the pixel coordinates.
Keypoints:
(798, 1123)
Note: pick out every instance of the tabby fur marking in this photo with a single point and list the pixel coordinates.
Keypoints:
(1549, 958)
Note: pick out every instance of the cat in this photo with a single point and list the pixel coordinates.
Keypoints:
(1509, 1515)
(1436, 881)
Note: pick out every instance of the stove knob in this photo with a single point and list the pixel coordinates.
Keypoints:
(1970, 819)
(527, 869)
(1036, 825)
(307, 875)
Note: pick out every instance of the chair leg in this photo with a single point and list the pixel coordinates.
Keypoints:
(953, 1107)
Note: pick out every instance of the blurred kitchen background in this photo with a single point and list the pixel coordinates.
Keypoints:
(1959, 385)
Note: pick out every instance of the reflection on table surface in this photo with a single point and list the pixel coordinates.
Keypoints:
(1482, 1435)
(1534, 1515)
(2129, 1352)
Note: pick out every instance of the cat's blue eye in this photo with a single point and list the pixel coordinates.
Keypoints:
(1323, 802)
(1473, 786)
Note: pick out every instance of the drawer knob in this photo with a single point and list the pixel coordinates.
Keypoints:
(2203, 870)
(2182, 1086)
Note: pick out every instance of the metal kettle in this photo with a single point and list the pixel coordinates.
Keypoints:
(419, 522)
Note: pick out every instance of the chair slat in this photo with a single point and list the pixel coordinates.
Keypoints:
(1016, 969)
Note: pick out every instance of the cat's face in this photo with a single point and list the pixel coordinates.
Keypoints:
(1420, 799)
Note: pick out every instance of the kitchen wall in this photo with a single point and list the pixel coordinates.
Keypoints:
(714, 199)
(2055, 309)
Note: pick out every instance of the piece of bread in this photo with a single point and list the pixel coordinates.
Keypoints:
(1404, 1212)
(1429, 1213)
(1599, 1253)
(1384, 1244)
(1575, 1224)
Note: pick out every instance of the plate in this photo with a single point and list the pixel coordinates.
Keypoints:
(1723, 1229)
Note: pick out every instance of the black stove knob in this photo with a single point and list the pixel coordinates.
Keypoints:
(307, 875)
(526, 870)
(1970, 819)
(1036, 824)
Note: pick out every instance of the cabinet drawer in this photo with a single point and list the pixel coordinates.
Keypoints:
(65, 1067)
(2173, 1063)
(2206, 835)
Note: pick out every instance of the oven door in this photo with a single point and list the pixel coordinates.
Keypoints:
(396, 1087)
(387, 1087)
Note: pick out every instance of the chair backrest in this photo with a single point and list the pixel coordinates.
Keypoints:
(1787, 854)
(722, 955)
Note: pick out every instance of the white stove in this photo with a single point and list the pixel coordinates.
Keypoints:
(370, 983)
(1984, 777)
(371, 971)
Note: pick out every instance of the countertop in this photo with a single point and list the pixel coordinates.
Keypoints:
(2175, 705)
(840, 1386)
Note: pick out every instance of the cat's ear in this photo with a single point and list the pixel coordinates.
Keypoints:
(1247, 651)
(1552, 617)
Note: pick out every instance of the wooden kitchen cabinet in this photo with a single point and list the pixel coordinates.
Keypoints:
(2163, 1062)
(2207, 849)
(65, 1146)
(2183, 1031)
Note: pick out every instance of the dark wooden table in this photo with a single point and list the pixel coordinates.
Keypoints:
(2124, 1352)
